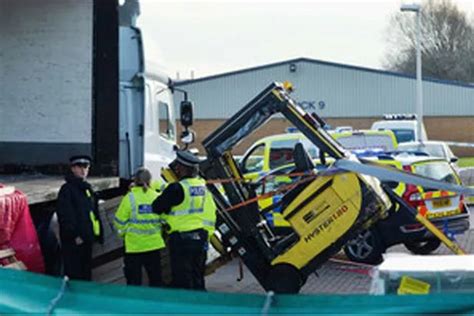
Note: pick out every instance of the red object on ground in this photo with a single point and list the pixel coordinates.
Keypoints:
(18, 232)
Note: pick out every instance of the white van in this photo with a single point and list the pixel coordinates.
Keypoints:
(404, 126)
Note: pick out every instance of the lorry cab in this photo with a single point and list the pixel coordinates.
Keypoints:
(147, 120)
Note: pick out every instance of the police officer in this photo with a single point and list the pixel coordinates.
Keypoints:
(79, 221)
(190, 212)
(141, 230)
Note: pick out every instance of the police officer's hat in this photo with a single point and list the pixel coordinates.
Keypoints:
(80, 160)
(187, 159)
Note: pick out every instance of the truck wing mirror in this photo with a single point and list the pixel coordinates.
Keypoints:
(187, 137)
(186, 113)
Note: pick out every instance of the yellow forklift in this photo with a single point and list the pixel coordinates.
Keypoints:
(325, 209)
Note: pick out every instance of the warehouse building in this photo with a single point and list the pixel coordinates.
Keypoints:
(341, 94)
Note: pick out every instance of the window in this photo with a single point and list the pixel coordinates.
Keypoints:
(281, 151)
(312, 150)
(430, 149)
(404, 135)
(166, 126)
(437, 170)
(254, 160)
(434, 150)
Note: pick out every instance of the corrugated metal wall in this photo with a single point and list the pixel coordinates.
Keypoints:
(330, 89)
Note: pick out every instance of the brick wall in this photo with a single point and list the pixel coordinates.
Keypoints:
(460, 129)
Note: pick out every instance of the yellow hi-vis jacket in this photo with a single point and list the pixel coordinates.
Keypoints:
(95, 222)
(158, 185)
(136, 222)
(197, 210)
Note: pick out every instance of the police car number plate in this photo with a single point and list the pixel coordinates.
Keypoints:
(441, 203)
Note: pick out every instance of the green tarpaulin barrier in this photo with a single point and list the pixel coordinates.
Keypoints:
(25, 292)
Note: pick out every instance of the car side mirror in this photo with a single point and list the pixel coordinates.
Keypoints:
(186, 113)
(454, 159)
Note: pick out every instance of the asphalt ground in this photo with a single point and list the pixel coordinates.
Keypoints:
(337, 276)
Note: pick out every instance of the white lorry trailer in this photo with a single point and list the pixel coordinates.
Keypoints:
(74, 82)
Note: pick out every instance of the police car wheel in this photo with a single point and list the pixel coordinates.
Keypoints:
(284, 279)
(365, 248)
(423, 247)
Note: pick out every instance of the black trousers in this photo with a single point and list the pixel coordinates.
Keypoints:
(77, 260)
(150, 260)
(188, 254)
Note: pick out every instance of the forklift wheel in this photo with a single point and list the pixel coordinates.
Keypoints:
(365, 248)
(284, 279)
(422, 247)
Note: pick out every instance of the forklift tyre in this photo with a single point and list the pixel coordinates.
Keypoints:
(366, 247)
(284, 279)
(422, 247)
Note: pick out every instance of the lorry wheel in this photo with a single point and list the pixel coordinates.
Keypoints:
(422, 247)
(365, 248)
(284, 279)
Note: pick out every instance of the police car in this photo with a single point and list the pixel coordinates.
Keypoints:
(446, 210)
(272, 152)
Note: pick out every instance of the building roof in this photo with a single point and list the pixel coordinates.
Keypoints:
(326, 63)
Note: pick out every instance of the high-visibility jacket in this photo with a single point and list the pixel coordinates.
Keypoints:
(158, 185)
(197, 210)
(95, 222)
(136, 222)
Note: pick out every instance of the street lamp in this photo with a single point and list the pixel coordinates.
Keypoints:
(419, 93)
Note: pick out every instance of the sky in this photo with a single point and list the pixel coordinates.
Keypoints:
(208, 38)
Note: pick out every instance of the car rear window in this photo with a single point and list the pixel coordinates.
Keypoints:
(366, 141)
(430, 149)
(439, 170)
(403, 135)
